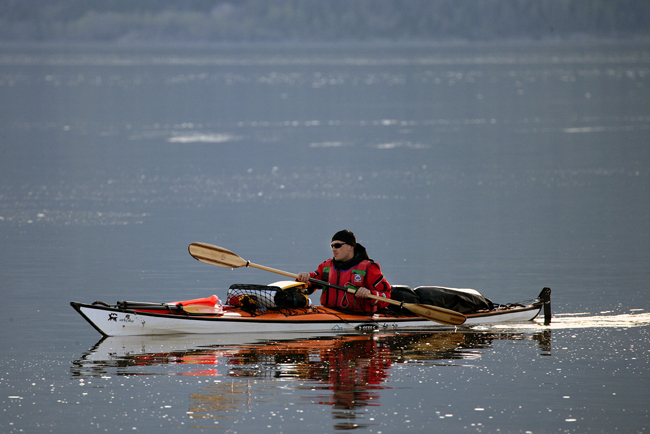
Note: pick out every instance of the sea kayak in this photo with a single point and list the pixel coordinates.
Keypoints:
(209, 316)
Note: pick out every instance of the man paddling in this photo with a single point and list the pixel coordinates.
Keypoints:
(349, 267)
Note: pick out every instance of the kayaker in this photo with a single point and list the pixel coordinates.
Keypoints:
(350, 267)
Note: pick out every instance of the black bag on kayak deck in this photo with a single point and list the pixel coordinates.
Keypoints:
(258, 298)
(459, 300)
(405, 294)
(291, 298)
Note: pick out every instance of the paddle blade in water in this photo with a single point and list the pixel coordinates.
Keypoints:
(216, 255)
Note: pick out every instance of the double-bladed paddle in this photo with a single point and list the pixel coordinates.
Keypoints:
(216, 255)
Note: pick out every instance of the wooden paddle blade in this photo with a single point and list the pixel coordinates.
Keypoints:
(437, 314)
(216, 255)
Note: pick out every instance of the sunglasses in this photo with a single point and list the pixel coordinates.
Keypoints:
(337, 245)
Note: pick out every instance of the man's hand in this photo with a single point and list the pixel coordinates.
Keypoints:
(303, 277)
(362, 293)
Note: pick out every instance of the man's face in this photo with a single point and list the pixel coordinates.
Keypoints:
(342, 251)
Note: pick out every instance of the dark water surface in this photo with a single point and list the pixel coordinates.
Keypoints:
(499, 168)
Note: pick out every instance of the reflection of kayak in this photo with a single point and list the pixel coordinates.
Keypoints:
(281, 351)
(342, 370)
(207, 316)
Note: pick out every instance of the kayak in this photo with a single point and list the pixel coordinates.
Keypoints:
(209, 316)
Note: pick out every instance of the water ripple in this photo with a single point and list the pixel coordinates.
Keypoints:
(584, 321)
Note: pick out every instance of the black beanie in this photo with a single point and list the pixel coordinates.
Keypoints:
(346, 236)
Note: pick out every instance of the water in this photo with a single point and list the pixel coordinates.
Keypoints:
(500, 168)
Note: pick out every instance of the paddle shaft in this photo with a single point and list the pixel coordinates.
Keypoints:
(319, 282)
(432, 313)
(221, 257)
(322, 282)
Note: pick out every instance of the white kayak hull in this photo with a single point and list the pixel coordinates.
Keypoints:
(116, 321)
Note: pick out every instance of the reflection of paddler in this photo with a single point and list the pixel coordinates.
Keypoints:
(354, 369)
(296, 352)
(347, 363)
(358, 363)
(310, 353)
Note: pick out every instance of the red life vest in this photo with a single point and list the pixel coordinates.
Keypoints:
(354, 278)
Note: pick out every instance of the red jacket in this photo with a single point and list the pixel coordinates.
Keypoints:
(365, 274)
